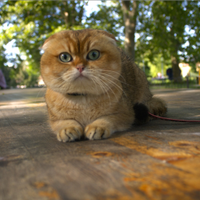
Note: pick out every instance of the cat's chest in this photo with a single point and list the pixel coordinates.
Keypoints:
(82, 110)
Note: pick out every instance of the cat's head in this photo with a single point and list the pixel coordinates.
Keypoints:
(84, 61)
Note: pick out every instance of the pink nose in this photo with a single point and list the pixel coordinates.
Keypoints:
(80, 67)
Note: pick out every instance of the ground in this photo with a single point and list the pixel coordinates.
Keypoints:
(159, 160)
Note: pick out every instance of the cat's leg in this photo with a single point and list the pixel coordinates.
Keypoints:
(105, 126)
(156, 106)
(67, 130)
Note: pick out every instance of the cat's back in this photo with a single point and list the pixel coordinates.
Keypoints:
(133, 79)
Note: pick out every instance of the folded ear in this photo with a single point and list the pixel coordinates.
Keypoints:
(107, 34)
(53, 37)
(46, 42)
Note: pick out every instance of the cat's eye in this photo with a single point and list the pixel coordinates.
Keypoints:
(65, 57)
(93, 55)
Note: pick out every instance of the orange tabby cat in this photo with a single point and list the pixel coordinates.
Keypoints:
(93, 88)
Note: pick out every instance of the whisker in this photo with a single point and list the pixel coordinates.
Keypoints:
(114, 84)
(105, 72)
(60, 82)
(111, 81)
(102, 86)
(108, 86)
(118, 79)
(113, 72)
(107, 78)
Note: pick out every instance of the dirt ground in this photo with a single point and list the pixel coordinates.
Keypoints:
(159, 160)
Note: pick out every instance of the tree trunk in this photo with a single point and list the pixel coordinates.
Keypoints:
(73, 13)
(65, 13)
(130, 14)
(174, 55)
(176, 70)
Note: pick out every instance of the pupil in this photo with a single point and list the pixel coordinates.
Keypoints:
(94, 54)
(65, 56)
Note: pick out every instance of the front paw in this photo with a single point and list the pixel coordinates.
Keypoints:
(70, 134)
(95, 132)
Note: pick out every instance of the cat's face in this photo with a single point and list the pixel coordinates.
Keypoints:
(86, 62)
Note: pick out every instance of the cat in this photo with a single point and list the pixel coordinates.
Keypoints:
(93, 88)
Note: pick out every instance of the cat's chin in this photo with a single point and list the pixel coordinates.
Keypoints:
(78, 88)
(82, 92)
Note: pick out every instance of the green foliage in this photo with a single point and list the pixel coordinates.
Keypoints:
(29, 23)
(23, 74)
(108, 18)
(161, 27)
(156, 23)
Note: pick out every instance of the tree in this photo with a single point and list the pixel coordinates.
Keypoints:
(193, 35)
(129, 9)
(108, 18)
(31, 22)
(163, 30)
(161, 25)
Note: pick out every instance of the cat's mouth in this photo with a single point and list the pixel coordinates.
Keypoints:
(81, 76)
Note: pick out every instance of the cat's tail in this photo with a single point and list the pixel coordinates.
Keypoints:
(141, 113)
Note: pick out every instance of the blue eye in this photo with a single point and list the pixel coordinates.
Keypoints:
(65, 57)
(93, 55)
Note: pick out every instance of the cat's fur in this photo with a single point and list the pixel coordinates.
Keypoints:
(100, 101)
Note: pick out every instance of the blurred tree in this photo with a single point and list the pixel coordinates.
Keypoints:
(29, 23)
(129, 9)
(118, 18)
(162, 28)
(193, 35)
(108, 18)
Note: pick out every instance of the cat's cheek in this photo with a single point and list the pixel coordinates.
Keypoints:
(114, 66)
(46, 70)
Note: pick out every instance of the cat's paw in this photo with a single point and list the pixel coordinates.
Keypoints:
(157, 106)
(94, 132)
(70, 134)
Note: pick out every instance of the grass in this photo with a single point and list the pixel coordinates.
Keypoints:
(167, 84)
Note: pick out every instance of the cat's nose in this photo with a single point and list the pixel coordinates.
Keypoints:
(80, 67)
